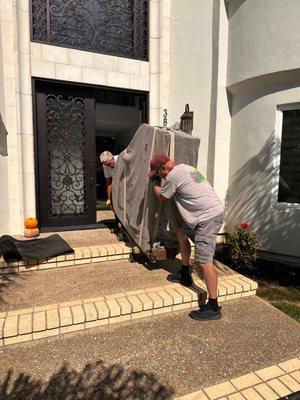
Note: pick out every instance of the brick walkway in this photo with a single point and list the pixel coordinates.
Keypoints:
(269, 383)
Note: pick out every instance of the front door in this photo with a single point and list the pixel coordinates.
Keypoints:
(65, 156)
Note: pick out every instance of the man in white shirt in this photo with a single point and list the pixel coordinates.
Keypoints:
(108, 160)
(203, 214)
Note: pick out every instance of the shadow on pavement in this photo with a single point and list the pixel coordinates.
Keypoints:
(96, 381)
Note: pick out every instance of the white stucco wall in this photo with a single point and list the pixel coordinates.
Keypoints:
(263, 55)
(263, 38)
(198, 72)
(191, 67)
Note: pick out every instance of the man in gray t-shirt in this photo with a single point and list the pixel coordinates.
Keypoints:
(203, 214)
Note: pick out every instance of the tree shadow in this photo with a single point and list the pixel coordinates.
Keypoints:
(96, 381)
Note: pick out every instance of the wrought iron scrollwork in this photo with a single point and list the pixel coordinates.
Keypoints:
(66, 156)
(116, 27)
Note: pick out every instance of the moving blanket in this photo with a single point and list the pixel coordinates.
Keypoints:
(148, 220)
(34, 249)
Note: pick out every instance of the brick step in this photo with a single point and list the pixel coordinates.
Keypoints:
(82, 255)
(55, 319)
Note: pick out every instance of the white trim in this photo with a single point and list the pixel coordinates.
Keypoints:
(281, 206)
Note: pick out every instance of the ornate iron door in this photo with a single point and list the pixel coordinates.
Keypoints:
(66, 158)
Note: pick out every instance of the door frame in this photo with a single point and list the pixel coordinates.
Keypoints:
(39, 81)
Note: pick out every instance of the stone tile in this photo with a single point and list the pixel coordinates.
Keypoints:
(229, 288)
(290, 383)
(245, 381)
(65, 316)
(136, 303)
(135, 292)
(81, 58)
(177, 298)
(106, 62)
(114, 308)
(90, 312)
(125, 305)
(94, 76)
(99, 322)
(154, 20)
(55, 54)
(18, 339)
(290, 365)
(25, 324)
(186, 296)
(2, 320)
(236, 396)
(156, 300)
(142, 314)
(296, 375)
(193, 293)
(139, 82)
(251, 394)
(269, 373)
(120, 318)
(145, 68)
(39, 321)
(222, 290)
(72, 328)
(102, 309)
(118, 79)
(158, 311)
(45, 334)
(78, 314)
(19, 312)
(266, 392)
(250, 293)
(245, 285)
(253, 284)
(36, 50)
(42, 69)
(146, 301)
(278, 387)
(237, 286)
(222, 389)
(52, 319)
(129, 66)
(11, 326)
(66, 72)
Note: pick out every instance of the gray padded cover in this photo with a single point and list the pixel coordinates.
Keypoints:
(146, 219)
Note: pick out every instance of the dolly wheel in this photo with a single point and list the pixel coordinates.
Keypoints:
(131, 258)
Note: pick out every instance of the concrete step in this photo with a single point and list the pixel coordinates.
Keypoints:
(162, 357)
(82, 255)
(123, 293)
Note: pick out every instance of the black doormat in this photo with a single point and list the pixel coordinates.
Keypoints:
(15, 250)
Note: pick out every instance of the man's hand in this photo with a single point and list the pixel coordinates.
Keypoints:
(156, 180)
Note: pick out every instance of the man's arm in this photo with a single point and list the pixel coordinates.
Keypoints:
(157, 190)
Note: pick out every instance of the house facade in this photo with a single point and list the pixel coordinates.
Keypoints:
(78, 77)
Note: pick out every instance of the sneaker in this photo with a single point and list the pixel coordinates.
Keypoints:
(185, 280)
(206, 313)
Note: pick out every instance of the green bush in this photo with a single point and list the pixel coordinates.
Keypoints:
(243, 244)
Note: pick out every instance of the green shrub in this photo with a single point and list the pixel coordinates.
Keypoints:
(243, 244)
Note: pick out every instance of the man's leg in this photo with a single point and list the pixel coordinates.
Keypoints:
(184, 247)
(210, 278)
(184, 275)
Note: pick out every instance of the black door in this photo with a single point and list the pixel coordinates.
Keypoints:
(65, 143)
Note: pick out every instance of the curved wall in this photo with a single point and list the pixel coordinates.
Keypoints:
(263, 38)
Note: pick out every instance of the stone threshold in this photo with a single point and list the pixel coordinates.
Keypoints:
(271, 383)
(55, 319)
(81, 255)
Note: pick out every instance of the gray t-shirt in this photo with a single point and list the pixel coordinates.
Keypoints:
(109, 171)
(194, 197)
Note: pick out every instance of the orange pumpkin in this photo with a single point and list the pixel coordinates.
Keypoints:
(31, 223)
(31, 233)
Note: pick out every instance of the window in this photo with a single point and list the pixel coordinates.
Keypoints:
(116, 27)
(288, 159)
